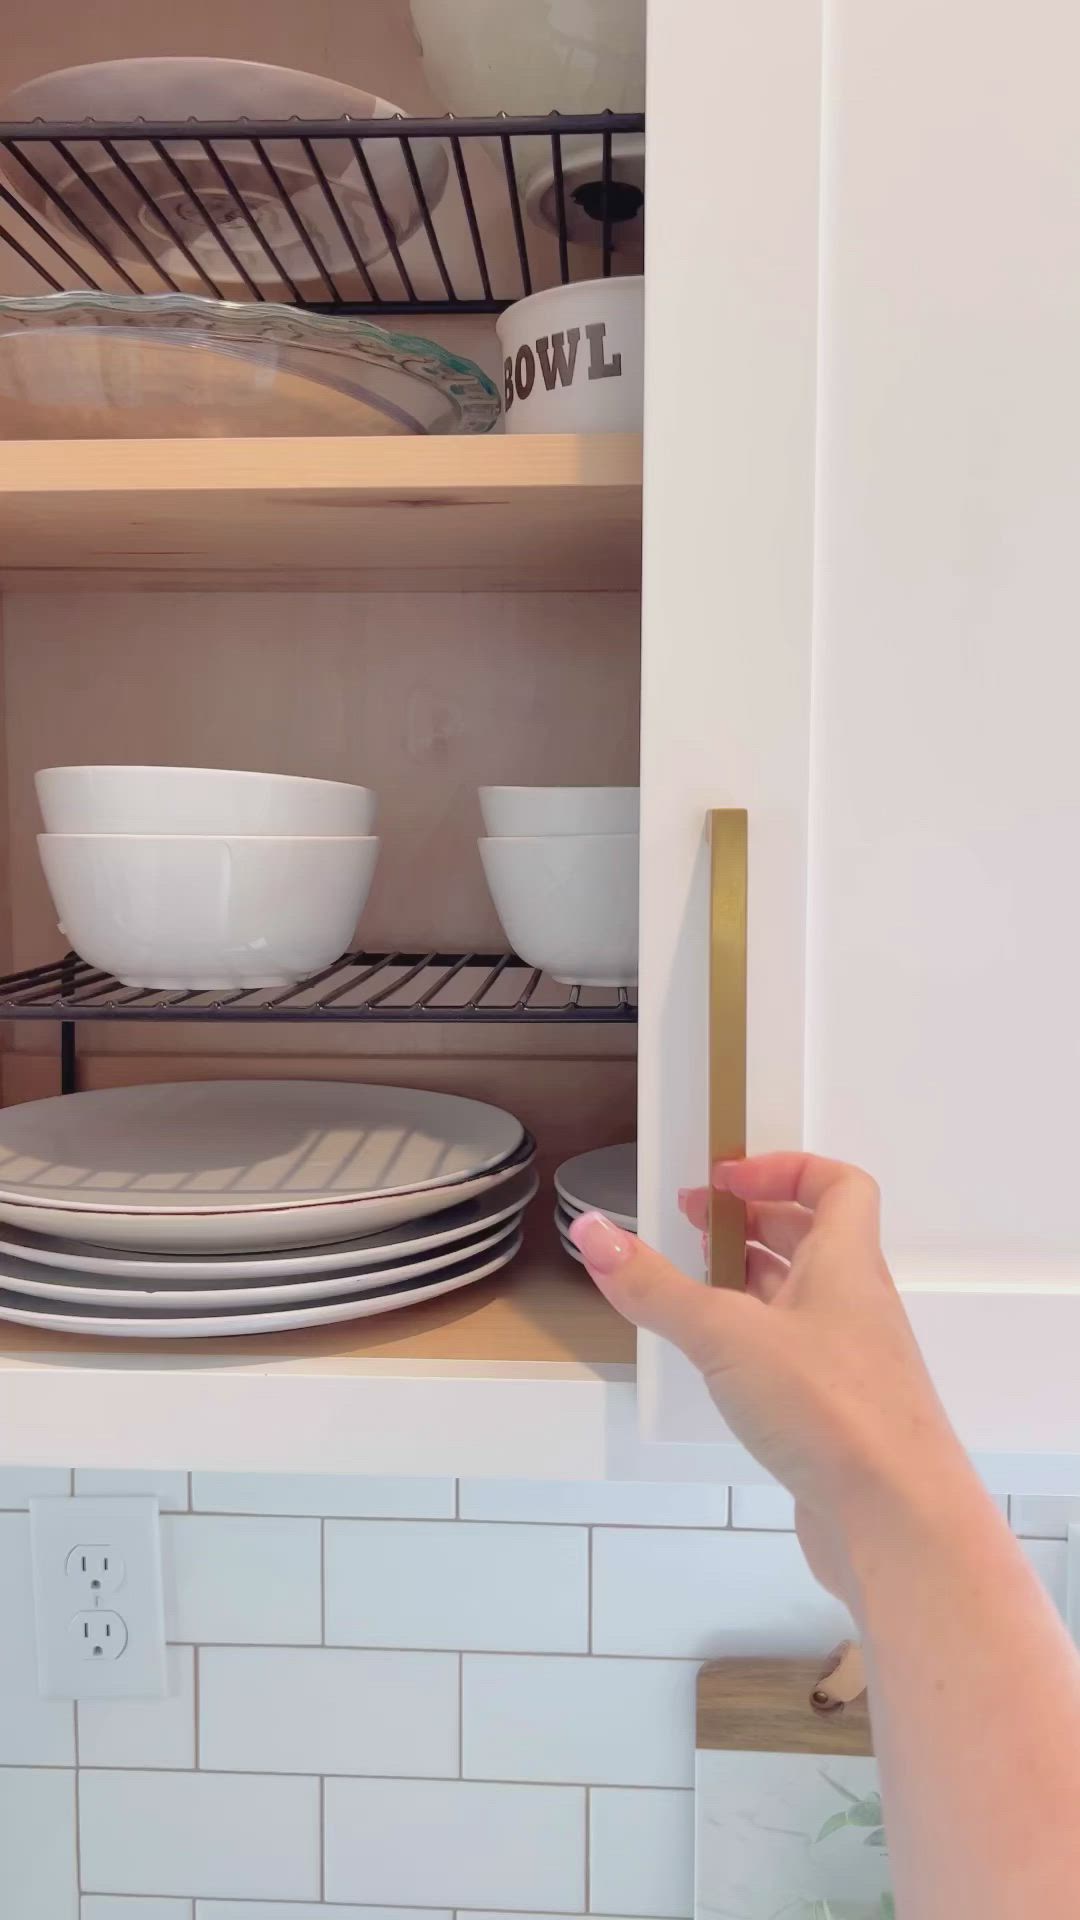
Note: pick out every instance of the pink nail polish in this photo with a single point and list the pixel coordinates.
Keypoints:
(604, 1245)
(684, 1195)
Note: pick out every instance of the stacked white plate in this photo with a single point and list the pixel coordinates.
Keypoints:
(251, 1206)
(604, 1181)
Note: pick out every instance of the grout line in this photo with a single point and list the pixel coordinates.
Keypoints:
(322, 1839)
(472, 1520)
(588, 1847)
(196, 1687)
(322, 1582)
(485, 1653)
(589, 1595)
(78, 1810)
(457, 1499)
(402, 1779)
(461, 1717)
(187, 1482)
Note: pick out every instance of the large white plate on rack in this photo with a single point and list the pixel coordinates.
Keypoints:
(57, 1316)
(124, 1296)
(275, 215)
(77, 366)
(233, 1165)
(604, 1180)
(415, 1240)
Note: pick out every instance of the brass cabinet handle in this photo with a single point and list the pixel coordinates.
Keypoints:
(727, 1036)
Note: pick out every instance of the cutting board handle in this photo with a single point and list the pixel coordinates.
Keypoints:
(842, 1681)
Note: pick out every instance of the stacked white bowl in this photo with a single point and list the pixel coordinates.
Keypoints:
(199, 878)
(562, 868)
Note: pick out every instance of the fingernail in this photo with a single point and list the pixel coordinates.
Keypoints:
(604, 1245)
(721, 1174)
(684, 1195)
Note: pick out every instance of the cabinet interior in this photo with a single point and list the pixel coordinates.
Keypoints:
(493, 637)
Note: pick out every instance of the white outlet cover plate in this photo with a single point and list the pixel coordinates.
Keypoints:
(128, 1529)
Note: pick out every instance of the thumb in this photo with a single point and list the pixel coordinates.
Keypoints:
(647, 1290)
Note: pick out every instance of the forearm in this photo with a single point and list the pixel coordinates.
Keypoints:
(975, 1696)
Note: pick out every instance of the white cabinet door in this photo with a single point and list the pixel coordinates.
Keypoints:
(861, 619)
(732, 272)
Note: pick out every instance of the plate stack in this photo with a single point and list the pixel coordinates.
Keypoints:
(252, 1206)
(604, 1181)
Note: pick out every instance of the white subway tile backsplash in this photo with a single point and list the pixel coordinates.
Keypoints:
(327, 1710)
(1050, 1559)
(1043, 1516)
(641, 1852)
(401, 1583)
(276, 1910)
(217, 1835)
(617, 1722)
(612, 1503)
(469, 1845)
(143, 1733)
(772, 1508)
(701, 1594)
(103, 1906)
(33, 1732)
(254, 1582)
(769, 1507)
(170, 1488)
(338, 1495)
(20, 1485)
(38, 1873)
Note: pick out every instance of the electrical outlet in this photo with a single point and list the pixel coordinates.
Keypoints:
(99, 1634)
(98, 1598)
(93, 1571)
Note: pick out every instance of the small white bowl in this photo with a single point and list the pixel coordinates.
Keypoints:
(569, 904)
(199, 800)
(181, 911)
(574, 358)
(523, 811)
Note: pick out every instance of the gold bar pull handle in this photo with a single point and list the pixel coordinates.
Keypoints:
(727, 1036)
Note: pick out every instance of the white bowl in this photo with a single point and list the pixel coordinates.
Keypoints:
(569, 904)
(206, 912)
(574, 358)
(510, 812)
(520, 57)
(199, 800)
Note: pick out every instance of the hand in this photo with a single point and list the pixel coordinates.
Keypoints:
(814, 1366)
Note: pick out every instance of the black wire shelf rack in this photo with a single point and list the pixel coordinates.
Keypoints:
(375, 217)
(385, 988)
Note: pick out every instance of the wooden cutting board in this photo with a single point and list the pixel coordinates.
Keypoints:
(788, 1806)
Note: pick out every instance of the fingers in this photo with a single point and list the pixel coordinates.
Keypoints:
(765, 1274)
(652, 1293)
(779, 1225)
(830, 1188)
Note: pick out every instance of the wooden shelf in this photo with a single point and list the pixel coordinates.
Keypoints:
(546, 512)
(529, 1374)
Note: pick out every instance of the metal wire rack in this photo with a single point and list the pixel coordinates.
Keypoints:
(399, 215)
(375, 987)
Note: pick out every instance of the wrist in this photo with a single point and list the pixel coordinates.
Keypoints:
(917, 1518)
